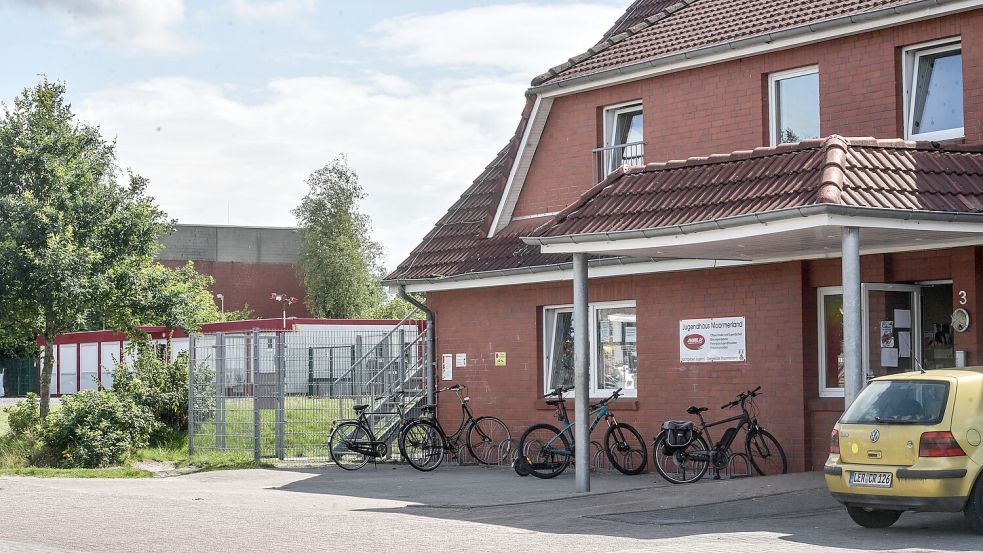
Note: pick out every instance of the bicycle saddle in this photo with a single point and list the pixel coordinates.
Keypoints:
(360, 408)
(554, 401)
(428, 407)
(692, 410)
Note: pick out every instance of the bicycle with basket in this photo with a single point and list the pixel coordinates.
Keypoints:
(682, 454)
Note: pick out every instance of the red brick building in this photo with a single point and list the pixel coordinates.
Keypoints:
(247, 263)
(749, 225)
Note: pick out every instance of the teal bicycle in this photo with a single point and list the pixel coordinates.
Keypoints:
(546, 451)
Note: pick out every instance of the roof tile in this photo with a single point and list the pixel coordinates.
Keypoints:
(662, 28)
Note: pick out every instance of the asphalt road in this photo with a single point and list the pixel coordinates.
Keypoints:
(452, 509)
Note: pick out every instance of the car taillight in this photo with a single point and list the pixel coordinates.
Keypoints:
(939, 444)
(834, 441)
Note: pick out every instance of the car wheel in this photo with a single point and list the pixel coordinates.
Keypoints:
(974, 507)
(874, 518)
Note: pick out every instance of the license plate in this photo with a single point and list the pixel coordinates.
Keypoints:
(871, 479)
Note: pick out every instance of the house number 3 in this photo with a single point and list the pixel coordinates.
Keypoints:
(962, 297)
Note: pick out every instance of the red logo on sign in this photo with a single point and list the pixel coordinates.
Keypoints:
(694, 341)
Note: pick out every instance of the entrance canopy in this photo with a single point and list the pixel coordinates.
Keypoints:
(812, 232)
(835, 197)
(783, 203)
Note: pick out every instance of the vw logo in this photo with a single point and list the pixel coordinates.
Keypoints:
(875, 435)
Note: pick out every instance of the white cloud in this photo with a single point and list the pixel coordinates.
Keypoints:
(527, 38)
(150, 26)
(416, 144)
(206, 152)
(261, 11)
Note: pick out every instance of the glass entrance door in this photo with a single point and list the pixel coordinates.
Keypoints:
(892, 329)
(938, 350)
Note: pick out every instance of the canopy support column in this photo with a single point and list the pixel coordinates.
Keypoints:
(581, 372)
(852, 316)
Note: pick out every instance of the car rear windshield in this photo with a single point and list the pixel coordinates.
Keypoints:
(899, 402)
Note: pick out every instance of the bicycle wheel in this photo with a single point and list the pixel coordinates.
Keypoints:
(489, 440)
(339, 445)
(681, 466)
(766, 454)
(625, 449)
(547, 450)
(422, 445)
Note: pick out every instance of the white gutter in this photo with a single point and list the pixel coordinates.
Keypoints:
(770, 42)
(598, 268)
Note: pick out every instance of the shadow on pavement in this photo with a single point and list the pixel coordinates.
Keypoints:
(793, 508)
(456, 486)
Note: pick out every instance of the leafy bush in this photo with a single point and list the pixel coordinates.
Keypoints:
(159, 386)
(24, 416)
(93, 430)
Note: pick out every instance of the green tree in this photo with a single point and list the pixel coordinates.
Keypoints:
(75, 241)
(393, 308)
(339, 263)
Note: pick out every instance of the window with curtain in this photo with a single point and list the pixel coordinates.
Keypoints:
(624, 136)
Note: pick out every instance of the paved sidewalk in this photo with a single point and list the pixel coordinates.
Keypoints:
(452, 509)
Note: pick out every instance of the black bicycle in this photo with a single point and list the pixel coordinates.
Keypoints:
(353, 442)
(683, 455)
(424, 443)
(546, 451)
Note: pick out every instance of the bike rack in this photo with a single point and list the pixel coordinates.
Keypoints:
(732, 473)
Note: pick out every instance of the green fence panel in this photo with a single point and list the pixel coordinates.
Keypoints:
(20, 376)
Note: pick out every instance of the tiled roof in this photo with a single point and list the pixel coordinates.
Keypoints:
(636, 13)
(458, 243)
(860, 172)
(652, 29)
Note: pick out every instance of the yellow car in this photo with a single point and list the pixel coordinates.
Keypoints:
(911, 442)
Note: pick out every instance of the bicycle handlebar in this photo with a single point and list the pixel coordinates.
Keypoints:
(455, 388)
(393, 395)
(741, 397)
(615, 395)
(559, 391)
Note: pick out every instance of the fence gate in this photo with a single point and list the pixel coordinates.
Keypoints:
(274, 394)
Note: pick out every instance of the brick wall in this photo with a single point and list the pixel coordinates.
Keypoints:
(778, 300)
(251, 283)
(723, 107)
(482, 322)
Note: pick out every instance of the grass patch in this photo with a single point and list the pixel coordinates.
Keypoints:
(308, 426)
(111, 472)
(4, 428)
(175, 450)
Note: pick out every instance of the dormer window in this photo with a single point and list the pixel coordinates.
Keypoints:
(933, 91)
(623, 138)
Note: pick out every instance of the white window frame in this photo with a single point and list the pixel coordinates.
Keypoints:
(611, 114)
(773, 78)
(594, 358)
(910, 58)
(821, 293)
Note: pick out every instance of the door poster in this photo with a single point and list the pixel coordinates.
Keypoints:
(448, 367)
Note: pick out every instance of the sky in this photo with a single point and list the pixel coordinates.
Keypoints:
(228, 105)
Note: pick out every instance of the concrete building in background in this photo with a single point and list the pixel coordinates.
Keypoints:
(247, 263)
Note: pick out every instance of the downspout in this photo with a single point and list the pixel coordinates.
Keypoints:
(431, 331)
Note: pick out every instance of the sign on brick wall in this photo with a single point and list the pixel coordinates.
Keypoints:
(712, 340)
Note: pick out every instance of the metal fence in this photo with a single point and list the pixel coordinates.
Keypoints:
(274, 394)
(608, 159)
(18, 377)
